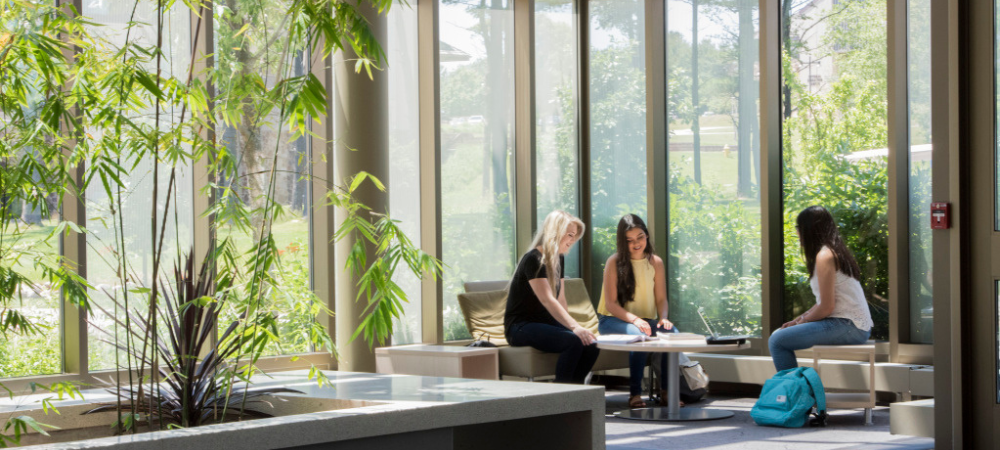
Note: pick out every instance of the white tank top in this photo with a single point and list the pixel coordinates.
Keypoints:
(849, 300)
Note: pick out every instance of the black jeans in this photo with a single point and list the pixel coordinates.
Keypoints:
(575, 359)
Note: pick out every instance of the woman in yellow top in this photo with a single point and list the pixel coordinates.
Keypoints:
(634, 295)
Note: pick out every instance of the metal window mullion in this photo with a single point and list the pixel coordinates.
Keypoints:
(657, 174)
(429, 71)
(203, 233)
(525, 202)
(772, 247)
(321, 180)
(583, 123)
(74, 245)
(899, 175)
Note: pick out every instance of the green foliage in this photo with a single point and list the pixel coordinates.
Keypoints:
(378, 237)
(88, 122)
(850, 115)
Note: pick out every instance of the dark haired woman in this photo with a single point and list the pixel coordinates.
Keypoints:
(840, 316)
(634, 295)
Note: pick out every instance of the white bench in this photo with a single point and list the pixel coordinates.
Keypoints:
(864, 400)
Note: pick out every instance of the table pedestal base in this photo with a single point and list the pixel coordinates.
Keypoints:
(684, 415)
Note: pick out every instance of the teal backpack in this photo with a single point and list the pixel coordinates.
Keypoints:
(788, 397)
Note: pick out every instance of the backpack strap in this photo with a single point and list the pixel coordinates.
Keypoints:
(817, 388)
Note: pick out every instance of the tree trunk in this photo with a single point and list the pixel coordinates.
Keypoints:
(497, 117)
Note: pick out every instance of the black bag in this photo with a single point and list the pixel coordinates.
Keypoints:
(480, 342)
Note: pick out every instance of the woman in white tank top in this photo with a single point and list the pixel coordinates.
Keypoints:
(840, 316)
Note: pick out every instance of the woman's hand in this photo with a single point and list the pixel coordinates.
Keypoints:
(642, 325)
(791, 323)
(665, 324)
(585, 335)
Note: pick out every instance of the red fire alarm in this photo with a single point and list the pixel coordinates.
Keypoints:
(940, 213)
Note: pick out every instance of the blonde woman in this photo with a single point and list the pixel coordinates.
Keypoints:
(537, 314)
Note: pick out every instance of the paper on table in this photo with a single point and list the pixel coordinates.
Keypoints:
(623, 338)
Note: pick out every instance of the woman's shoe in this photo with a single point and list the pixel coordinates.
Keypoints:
(635, 401)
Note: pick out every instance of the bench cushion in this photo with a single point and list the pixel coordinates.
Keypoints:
(484, 312)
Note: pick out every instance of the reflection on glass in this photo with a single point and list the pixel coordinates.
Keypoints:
(714, 160)
(273, 170)
(834, 148)
(125, 234)
(477, 142)
(404, 151)
(556, 106)
(919, 99)
(617, 123)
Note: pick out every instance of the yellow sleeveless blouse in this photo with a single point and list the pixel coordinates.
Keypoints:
(644, 304)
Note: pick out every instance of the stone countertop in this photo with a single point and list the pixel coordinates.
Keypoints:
(402, 403)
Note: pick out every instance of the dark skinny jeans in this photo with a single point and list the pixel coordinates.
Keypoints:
(575, 359)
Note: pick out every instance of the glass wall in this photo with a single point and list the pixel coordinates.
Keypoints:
(919, 99)
(557, 128)
(835, 139)
(25, 239)
(404, 151)
(31, 346)
(270, 174)
(119, 215)
(617, 123)
(477, 143)
(714, 162)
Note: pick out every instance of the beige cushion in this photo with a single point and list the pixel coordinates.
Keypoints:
(483, 312)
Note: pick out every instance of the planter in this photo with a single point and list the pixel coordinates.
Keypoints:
(370, 411)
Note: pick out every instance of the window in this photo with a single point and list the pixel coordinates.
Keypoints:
(557, 161)
(617, 123)
(125, 234)
(272, 172)
(477, 142)
(714, 163)
(919, 99)
(404, 150)
(835, 140)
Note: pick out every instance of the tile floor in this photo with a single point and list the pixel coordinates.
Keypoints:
(845, 430)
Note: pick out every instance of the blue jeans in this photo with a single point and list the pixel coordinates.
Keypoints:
(636, 360)
(829, 331)
(575, 359)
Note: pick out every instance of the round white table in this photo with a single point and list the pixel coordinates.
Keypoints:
(672, 347)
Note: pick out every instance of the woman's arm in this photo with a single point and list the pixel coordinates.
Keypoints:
(660, 291)
(611, 297)
(558, 311)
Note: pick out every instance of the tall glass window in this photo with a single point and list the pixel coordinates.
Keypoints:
(617, 123)
(835, 139)
(477, 142)
(557, 160)
(25, 237)
(273, 169)
(119, 226)
(919, 99)
(404, 150)
(714, 163)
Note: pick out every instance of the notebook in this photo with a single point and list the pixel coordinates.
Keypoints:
(715, 338)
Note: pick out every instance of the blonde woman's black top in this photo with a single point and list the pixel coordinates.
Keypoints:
(522, 303)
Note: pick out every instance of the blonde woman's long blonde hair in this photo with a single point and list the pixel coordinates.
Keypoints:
(555, 226)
